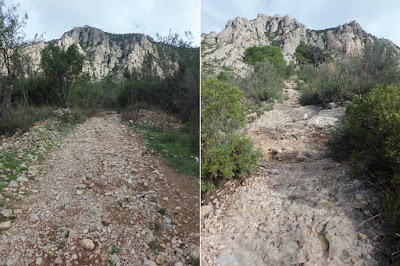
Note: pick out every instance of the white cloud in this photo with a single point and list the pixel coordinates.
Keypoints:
(116, 16)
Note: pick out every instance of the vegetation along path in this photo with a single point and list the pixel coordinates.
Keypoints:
(300, 207)
(101, 199)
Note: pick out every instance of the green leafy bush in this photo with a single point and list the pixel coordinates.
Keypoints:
(264, 84)
(342, 79)
(272, 54)
(329, 82)
(371, 137)
(225, 152)
(22, 118)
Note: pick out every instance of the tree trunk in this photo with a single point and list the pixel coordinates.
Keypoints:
(6, 103)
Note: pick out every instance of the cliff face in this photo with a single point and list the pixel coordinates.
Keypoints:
(108, 53)
(226, 49)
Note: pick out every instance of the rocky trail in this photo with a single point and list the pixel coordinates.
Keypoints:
(300, 207)
(101, 199)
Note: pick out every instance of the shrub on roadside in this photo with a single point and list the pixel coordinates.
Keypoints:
(22, 118)
(371, 136)
(225, 152)
(265, 83)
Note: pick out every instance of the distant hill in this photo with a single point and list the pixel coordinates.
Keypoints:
(112, 53)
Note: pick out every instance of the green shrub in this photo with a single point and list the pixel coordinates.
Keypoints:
(265, 83)
(371, 136)
(258, 54)
(225, 152)
(22, 118)
(375, 122)
(329, 82)
(228, 156)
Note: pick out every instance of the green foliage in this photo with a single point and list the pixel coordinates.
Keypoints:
(22, 118)
(379, 62)
(13, 62)
(349, 76)
(61, 68)
(306, 54)
(301, 53)
(115, 249)
(272, 39)
(375, 122)
(330, 82)
(89, 94)
(264, 84)
(179, 148)
(258, 54)
(225, 152)
(371, 138)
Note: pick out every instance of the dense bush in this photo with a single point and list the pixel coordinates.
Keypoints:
(342, 79)
(257, 54)
(371, 138)
(264, 83)
(22, 118)
(225, 152)
(308, 54)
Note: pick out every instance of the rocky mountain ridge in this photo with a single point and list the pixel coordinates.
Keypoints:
(109, 53)
(225, 50)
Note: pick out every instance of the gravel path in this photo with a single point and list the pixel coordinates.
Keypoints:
(300, 207)
(102, 198)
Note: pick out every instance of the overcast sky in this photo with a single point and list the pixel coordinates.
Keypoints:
(115, 16)
(380, 18)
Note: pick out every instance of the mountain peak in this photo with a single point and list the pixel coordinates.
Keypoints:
(226, 49)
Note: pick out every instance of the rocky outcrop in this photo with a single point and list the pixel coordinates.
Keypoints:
(225, 50)
(108, 53)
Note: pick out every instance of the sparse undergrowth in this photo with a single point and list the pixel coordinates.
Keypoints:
(174, 145)
(16, 159)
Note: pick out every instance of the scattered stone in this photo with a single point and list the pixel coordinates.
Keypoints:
(301, 158)
(81, 186)
(149, 263)
(22, 179)
(179, 263)
(331, 105)
(79, 192)
(58, 260)
(5, 225)
(39, 261)
(33, 172)
(357, 183)
(212, 230)
(206, 210)
(160, 260)
(33, 218)
(13, 183)
(274, 172)
(12, 262)
(87, 244)
(74, 257)
(7, 213)
(194, 251)
(106, 222)
(72, 234)
(115, 259)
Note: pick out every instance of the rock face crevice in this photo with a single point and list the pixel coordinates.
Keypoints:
(110, 53)
(226, 49)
